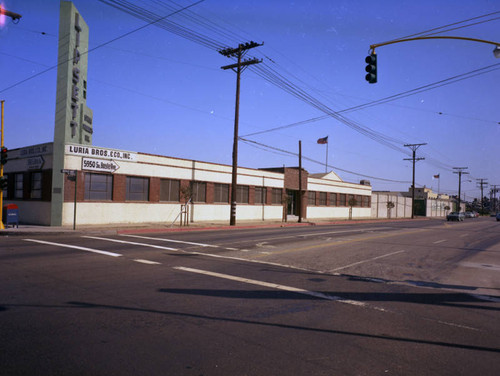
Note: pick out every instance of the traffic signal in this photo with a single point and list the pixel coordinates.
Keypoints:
(3, 156)
(3, 182)
(371, 68)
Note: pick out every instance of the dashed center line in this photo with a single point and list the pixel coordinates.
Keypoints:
(147, 262)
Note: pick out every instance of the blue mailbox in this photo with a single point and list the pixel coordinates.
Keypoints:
(10, 215)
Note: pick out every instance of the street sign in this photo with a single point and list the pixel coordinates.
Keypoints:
(35, 163)
(100, 165)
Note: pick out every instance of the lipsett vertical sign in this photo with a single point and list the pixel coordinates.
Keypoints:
(73, 117)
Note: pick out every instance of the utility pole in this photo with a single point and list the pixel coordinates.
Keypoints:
(239, 67)
(300, 182)
(460, 171)
(2, 227)
(413, 148)
(482, 182)
(494, 190)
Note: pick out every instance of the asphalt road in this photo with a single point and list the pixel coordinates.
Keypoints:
(393, 298)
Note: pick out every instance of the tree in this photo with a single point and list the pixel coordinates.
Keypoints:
(390, 205)
(352, 202)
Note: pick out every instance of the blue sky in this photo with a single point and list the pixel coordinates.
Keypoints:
(155, 92)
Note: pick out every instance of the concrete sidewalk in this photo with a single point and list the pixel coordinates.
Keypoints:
(162, 227)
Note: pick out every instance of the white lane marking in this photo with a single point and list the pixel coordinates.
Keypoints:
(132, 243)
(322, 233)
(463, 235)
(75, 247)
(316, 294)
(343, 231)
(439, 241)
(362, 262)
(457, 325)
(147, 262)
(171, 240)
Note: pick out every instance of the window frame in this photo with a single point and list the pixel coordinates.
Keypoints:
(144, 192)
(36, 192)
(242, 194)
(275, 194)
(199, 188)
(221, 193)
(260, 195)
(19, 186)
(311, 198)
(322, 199)
(172, 193)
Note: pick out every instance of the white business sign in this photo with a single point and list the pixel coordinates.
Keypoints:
(100, 165)
(91, 151)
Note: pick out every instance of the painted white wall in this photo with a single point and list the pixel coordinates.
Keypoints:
(331, 212)
(124, 213)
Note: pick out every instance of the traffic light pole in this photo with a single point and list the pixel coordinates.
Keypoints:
(238, 68)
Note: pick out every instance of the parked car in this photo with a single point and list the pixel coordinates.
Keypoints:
(470, 214)
(498, 216)
(455, 216)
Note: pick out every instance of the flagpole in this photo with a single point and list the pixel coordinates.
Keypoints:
(326, 163)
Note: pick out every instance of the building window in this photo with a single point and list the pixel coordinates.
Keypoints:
(221, 193)
(333, 199)
(343, 200)
(137, 189)
(242, 194)
(276, 195)
(169, 190)
(366, 201)
(199, 193)
(98, 187)
(311, 198)
(351, 201)
(322, 198)
(18, 186)
(260, 195)
(5, 191)
(36, 185)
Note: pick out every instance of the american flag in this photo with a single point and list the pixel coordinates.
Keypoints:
(323, 140)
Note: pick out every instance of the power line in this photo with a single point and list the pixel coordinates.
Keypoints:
(99, 46)
(426, 32)
(262, 146)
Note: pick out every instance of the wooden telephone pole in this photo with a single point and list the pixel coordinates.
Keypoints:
(238, 67)
(414, 148)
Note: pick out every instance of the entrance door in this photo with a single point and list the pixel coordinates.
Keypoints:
(292, 202)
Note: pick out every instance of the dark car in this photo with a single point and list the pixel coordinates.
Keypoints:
(455, 216)
(498, 216)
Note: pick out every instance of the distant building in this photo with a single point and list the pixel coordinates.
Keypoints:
(398, 204)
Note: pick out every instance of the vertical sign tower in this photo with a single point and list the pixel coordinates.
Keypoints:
(73, 119)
